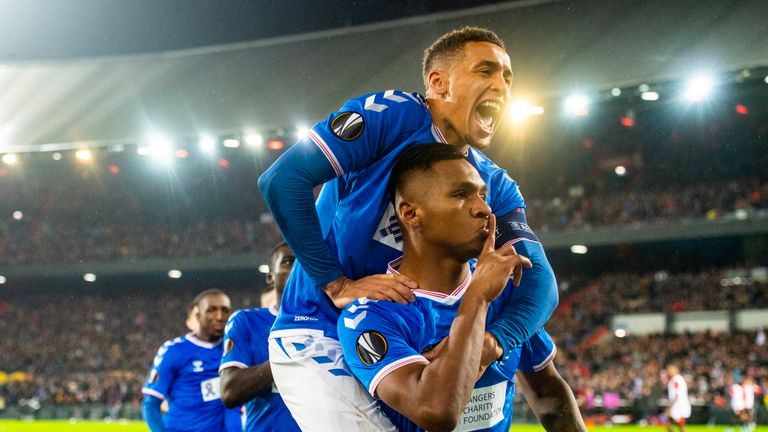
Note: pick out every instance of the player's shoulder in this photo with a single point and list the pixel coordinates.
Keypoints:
(171, 346)
(376, 312)
(387, 103)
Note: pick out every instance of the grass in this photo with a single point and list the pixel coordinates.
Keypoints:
(83, 426)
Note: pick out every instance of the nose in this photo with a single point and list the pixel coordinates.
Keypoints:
(481, 209)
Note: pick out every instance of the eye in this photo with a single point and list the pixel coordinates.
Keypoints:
(460, 194)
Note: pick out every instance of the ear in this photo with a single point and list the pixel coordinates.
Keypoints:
(270, 279)
(438, 83)
(408, 214)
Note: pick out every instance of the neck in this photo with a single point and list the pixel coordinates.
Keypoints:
(278, 298)
(205, 337)
(439, 110)
(433, 271)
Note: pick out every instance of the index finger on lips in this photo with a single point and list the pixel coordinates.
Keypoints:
(490, 241)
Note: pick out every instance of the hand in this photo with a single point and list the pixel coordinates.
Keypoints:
(494, 267)
(392, 287)
(492, 351)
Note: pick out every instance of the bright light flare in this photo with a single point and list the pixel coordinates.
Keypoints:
(620, 171)
(10, 159)
(207, 144)
(160, 147)
(275, 144)
(615, 92)
(699, 88)
(174, 274)
(17, 215)
(579, 249)
(89, 277)
(56, 156)
(2, 280)
(83, 155)
(254, 140)
(264, 268)
(521, 109)
(649, 96)
(231, 143)
(302, 131)
(620, 333)
(577, 105)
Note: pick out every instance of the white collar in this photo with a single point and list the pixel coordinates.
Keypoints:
(199, 342)
(446, 299)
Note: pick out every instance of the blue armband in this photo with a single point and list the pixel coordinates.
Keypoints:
(532, 303)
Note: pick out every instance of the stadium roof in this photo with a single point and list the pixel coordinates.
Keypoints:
(555, 47)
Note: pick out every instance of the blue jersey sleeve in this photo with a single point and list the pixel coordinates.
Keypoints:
(150, 410)
(532, 303)
(162, 374)
(238, 347)
(537, 352)
(350, 139)
(377, 338)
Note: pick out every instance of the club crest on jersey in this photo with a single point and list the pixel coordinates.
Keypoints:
(229, 345)
(197, 366)
(348, 125)
(371, 347)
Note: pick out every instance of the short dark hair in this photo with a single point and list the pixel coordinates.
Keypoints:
(420, 158)
(204, 294)
(451, 43)
(273, 252)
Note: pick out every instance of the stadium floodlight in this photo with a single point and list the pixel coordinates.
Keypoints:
(181, 153)
(620, 333)
(766, 79)
(207, 144)
(160, 147)
(521, 109)
(643, 88)
(615, 92)
(264, 268)
(579, 249)
(649, 96)
(699, 88)
(56, 156)
(83, 155)
(174, 274)
(18, 215)
(302, 131)
(2, 279)
(254, 140)
(275, 144)
(89, 277)
(620, 171)
(142, 150)
(10, 159)
(231, 143)
(577, 105)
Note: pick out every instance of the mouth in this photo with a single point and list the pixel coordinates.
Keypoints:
(488, 114)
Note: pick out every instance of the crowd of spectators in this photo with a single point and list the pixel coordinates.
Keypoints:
(75, 347)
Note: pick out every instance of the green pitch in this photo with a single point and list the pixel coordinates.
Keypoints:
(64, 426)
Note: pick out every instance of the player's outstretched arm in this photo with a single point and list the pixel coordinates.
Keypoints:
(532, 302)
(551, 400)
(153, 416)
(434, 394)
(238, 386)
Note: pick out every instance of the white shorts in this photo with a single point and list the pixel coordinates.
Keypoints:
(680, 411)
(317, 386)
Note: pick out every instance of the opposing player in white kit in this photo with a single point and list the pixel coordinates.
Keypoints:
(679, 405)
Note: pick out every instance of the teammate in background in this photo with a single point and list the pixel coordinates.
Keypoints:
(185, 374)
(750, 389)
(679, 406)
(445, 221)
(343, 244)
(245, 374)
(192, 324)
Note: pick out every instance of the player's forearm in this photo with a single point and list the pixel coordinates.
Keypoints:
(552, 400)
(150, 410)
(287, 188)
(238, 386)
(446, 383)
(531, 304)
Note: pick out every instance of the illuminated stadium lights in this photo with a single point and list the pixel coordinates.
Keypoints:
(17, 215)
(698, 88)
(649, 96)
(254, 140)
(264, 268)
(114, 169)
(520, 109)
(174, 274)
(10, 159)
(83, 155)
(181, 153)
(223, 163)
(142, 150)
(56, 156)
(275, 144)
(231, 143)
(741, 109)
(579, 249)
(577, 105)
(643, 88)
(160, 147)
(615, 92)
(302, 131)
(207, 144)
(89, 277)
(2, 280)
(620, 171)
(766, 79)
(620, 333)
(627, 121)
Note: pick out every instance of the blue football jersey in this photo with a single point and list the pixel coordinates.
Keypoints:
(361, 142)
(185, 373)
(245, 344)
(380, 337)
